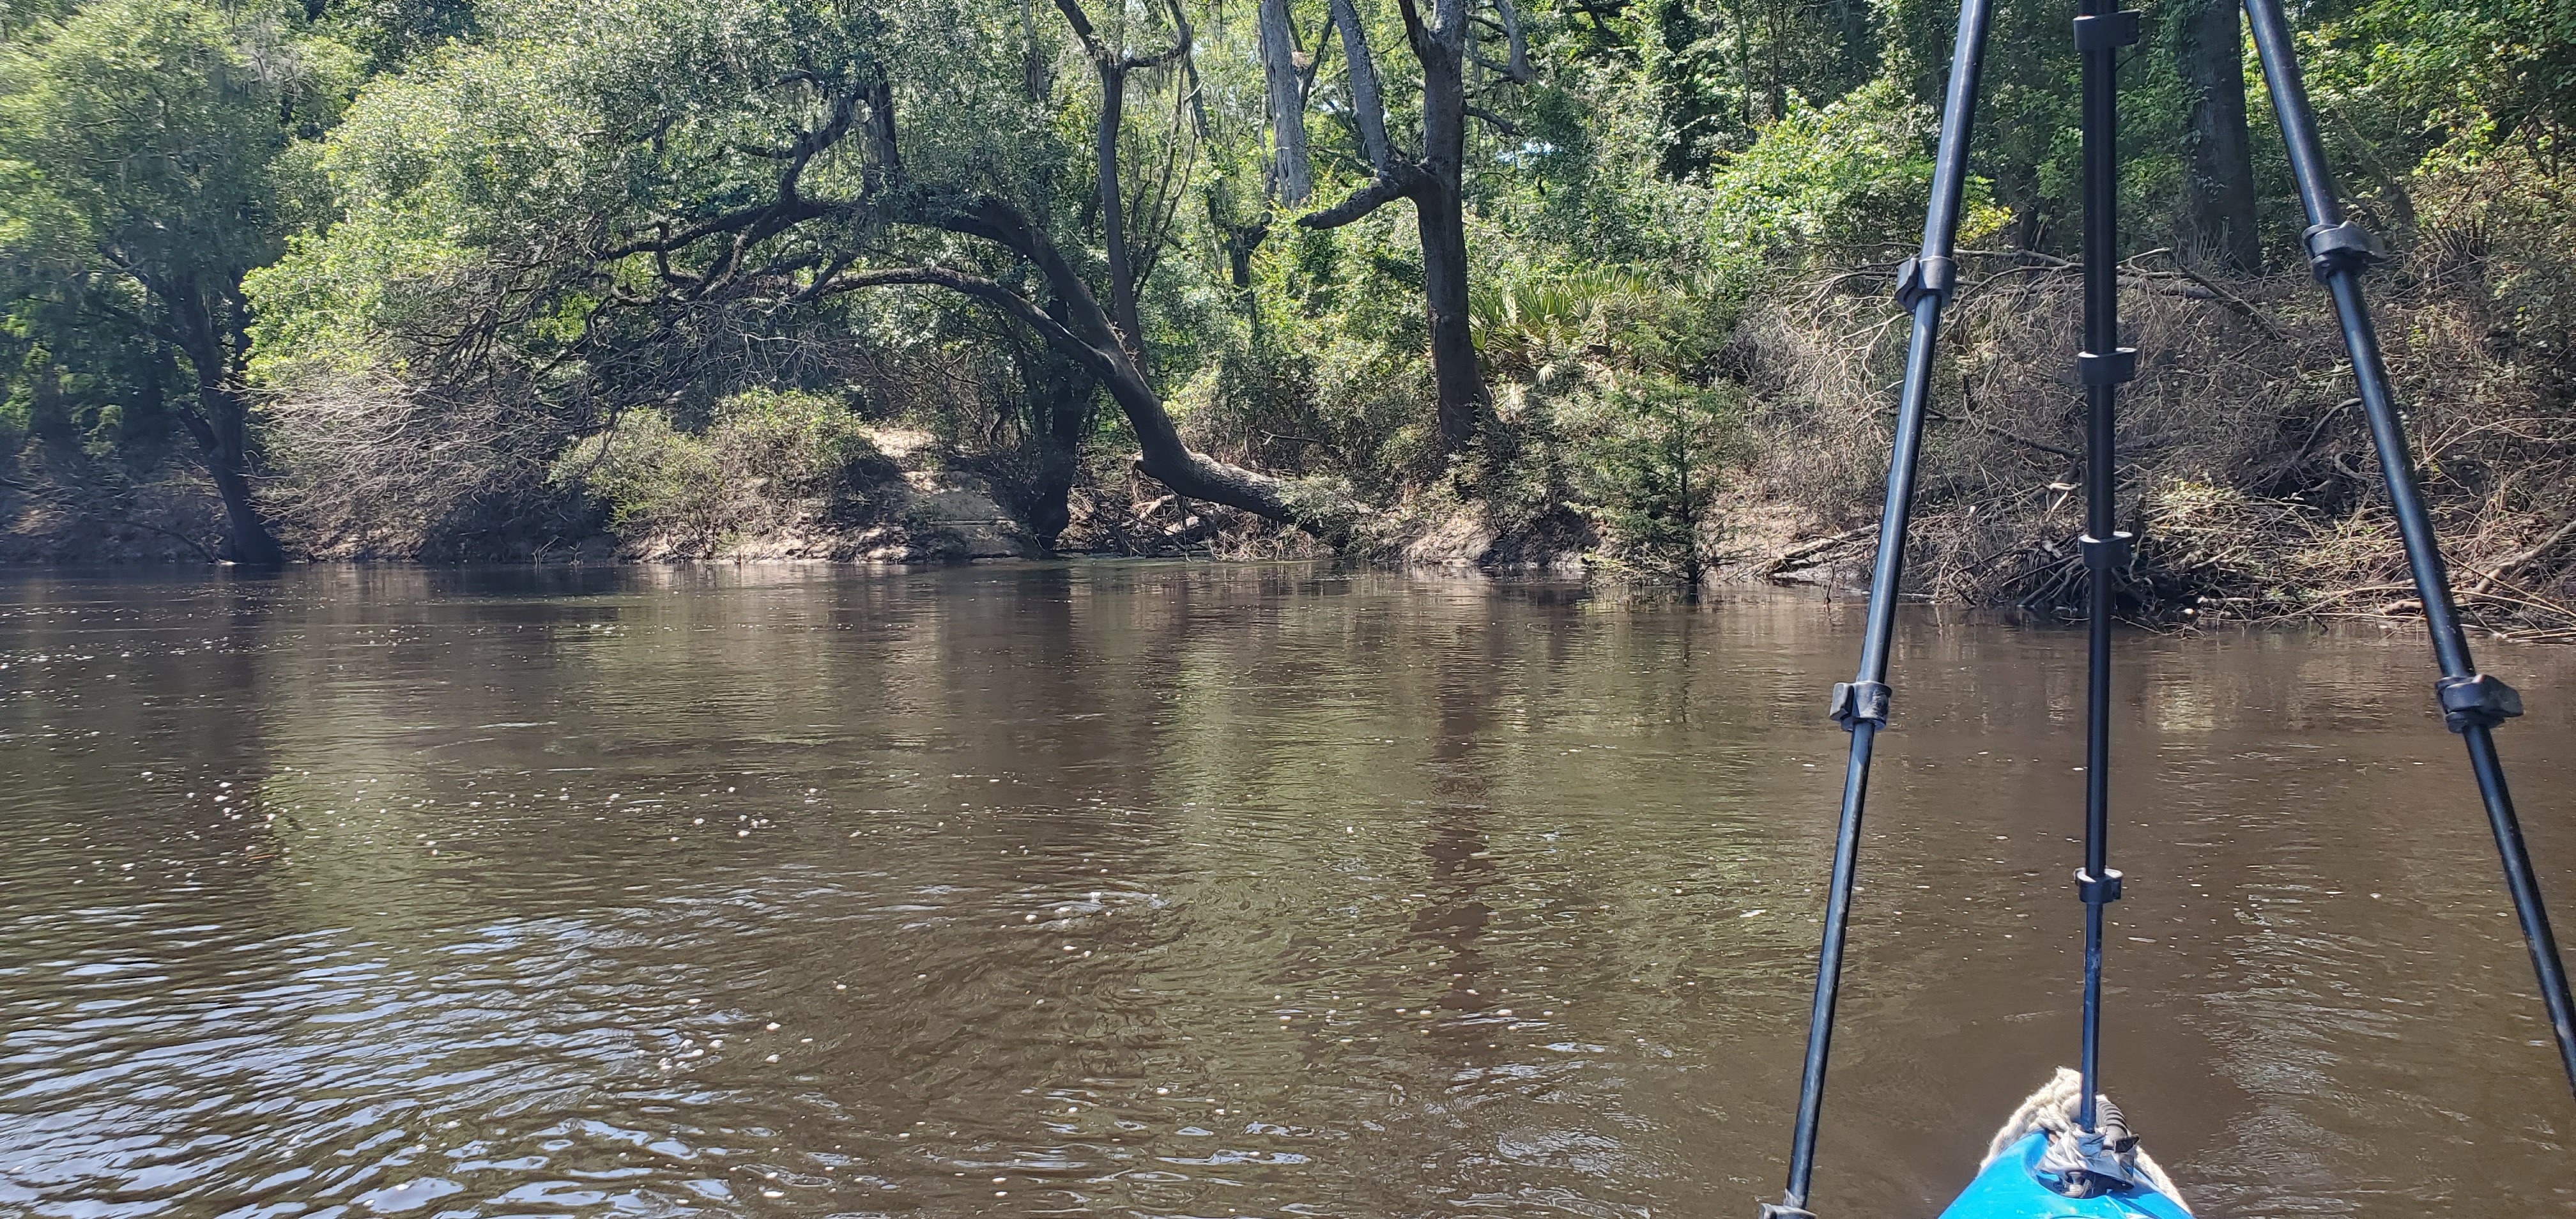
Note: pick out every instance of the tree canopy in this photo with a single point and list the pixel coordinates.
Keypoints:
(151, 156)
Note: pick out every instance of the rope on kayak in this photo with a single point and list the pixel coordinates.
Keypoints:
(2108, 1155)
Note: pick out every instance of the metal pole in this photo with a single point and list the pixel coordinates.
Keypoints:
(2472, 703)
(2100, 31)
(1924, 284)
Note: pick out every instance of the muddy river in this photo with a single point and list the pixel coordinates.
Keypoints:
(1179, 890)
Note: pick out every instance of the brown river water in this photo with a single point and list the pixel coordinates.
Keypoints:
(1162, 890)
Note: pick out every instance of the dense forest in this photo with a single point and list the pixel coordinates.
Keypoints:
(1496, 282)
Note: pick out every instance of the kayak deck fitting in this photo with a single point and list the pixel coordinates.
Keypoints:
(2069, 1152)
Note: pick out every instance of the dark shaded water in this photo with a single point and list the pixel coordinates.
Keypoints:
(1163, 890)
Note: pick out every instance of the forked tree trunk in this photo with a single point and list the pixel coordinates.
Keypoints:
(1112, 64)
(1435, 184)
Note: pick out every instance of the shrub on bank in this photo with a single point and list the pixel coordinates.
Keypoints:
(766, 463)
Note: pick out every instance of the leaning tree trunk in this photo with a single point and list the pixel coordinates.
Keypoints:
(1075, 324)
(220, 422)
(220, 427)
(1082, 330)
(2218, 160)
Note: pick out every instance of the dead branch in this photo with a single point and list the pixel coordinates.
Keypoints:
(1808, 554)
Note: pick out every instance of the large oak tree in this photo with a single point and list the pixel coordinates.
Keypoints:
(589, 177)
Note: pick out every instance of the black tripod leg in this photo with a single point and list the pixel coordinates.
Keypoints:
(2100, 33)
(2473, 703)
(1860, 705)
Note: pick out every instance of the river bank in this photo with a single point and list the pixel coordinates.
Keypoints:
(2246, 472)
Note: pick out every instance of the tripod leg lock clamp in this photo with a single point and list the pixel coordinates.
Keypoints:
(1859, 701)
(2107, 367)
(2334, 247)
(2107, 554)
(1919, 277)
(2476, 701)
(2108, 31)
(2098, 890)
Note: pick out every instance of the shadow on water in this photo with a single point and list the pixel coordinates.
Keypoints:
(1169, 889)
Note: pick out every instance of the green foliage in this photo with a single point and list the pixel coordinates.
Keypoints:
(152, 153)
(1522, 323)
(1719, 71)
(2411, 85)
(103, 390)
(1327, 369)
(1850, 178)
(768, 461)
(150, 139)
(1539, 326)
(497, 173)
(393, 33)
(1648, 458)
(148, 148)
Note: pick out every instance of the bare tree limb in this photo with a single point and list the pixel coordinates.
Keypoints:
(1033, 64)
(1517, 66)
(1380, 191)
(2233, 303)
(1313, 63)
(1181, 39)
(2004, 434)
(1396, 176)
(1809, 553)
(1368, 109)
(2513, 566)
(1073, 16)
(1292, 176)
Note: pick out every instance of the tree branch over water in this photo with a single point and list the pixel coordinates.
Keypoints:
(826, 246)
